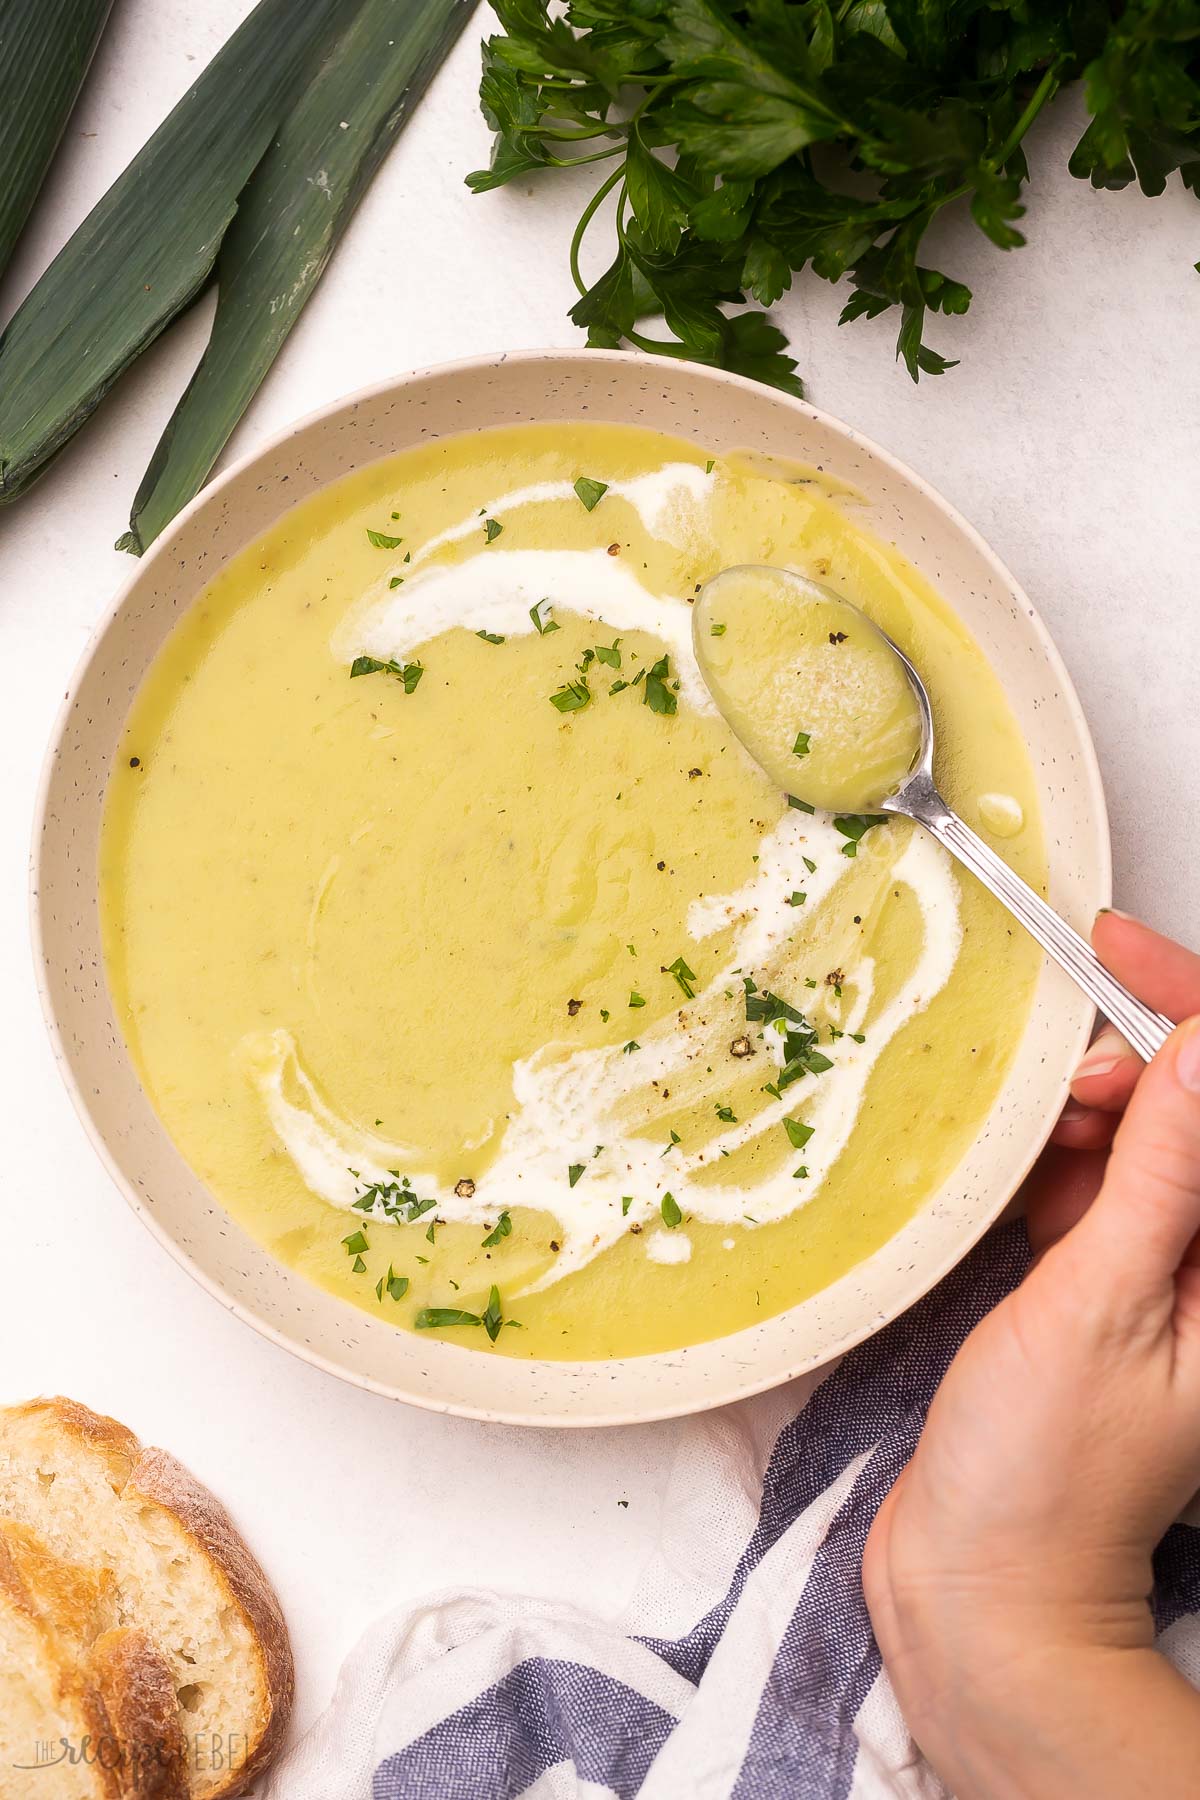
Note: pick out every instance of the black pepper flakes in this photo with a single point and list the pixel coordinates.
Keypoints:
(741, 1046)
(574, 1006)
(465, 1188)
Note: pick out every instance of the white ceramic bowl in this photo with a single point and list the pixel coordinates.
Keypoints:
(718, 411)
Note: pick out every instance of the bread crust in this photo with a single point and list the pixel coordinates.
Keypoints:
(157, 1478)
(66, 1604)
(135, 1685)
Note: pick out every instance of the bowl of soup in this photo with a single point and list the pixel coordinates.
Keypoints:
(445, 986)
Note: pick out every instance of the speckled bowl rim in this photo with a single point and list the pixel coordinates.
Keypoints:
(582, 1417)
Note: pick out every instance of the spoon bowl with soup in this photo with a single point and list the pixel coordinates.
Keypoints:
(836, 714)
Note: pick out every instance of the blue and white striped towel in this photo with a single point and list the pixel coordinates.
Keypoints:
(746, 1668)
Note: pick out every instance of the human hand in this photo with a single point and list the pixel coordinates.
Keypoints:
(1008, 1571)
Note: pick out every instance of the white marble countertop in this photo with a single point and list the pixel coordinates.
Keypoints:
(1070, 435)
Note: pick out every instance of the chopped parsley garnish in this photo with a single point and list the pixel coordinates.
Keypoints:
(396, 581)
(799, 1038)
(710, 465)
(635, 999)
(544, 625)
(626, 1203)
(800, 1173)
(408, 673)
(574, 1172)
(683, 975)
(800, 747)
(573, 697)
(491, 530)
(857, 1037)
(718, 631)
(382, 541)
(610, 655)
(796, 898)
(490, 637)
(501, 1229)
(658, 696)
(590, 492)
(358, 1266)
(798, 1134)
(810, 865)
(632, 1044)
(356, 1243)
(854, 826)
(604, 1015)
(395, 1200)
(430, 1318)
(671, 1215)
(727, 1115)
(493, 1318)
(396, 1285)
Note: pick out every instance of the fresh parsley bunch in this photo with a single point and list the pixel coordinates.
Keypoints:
(750, 142)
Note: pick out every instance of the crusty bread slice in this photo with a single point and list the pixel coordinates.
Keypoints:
(48, 1713)
(180, 1576)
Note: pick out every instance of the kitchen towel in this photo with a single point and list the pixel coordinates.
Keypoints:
(771, 1690)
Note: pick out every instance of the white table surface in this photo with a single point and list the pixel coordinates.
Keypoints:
(1070, 435)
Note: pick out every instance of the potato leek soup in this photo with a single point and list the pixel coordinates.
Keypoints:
(469, 959)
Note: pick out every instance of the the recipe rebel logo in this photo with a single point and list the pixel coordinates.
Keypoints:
(206, 1752)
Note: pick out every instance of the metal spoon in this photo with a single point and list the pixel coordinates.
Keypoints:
(917, 798)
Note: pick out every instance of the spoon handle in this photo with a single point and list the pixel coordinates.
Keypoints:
(1145, 1029)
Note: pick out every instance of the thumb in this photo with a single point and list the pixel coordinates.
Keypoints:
(1147, 1212)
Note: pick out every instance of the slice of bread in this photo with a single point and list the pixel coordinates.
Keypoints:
(46, 1706)
(176, 1648)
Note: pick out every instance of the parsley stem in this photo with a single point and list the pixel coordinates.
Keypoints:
(574, 162)
(565, 134)
(1043, 92)
(585, 219)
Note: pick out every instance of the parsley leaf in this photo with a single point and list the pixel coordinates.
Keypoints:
(501, 1229)
(430, 1318)
(910, 106)
(657, 695)
(382, 541)
(573, 697)
(854, 826)
(408, 673)
(545, 625)
(590, 492)
(683, 975)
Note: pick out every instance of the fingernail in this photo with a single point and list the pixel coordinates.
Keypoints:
(1106, 1054)
(1187, 1059)
(1072, 1112)
(1114, 912)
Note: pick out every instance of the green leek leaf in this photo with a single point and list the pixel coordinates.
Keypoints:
(149, 245)
(299, 200)
(45, 49)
